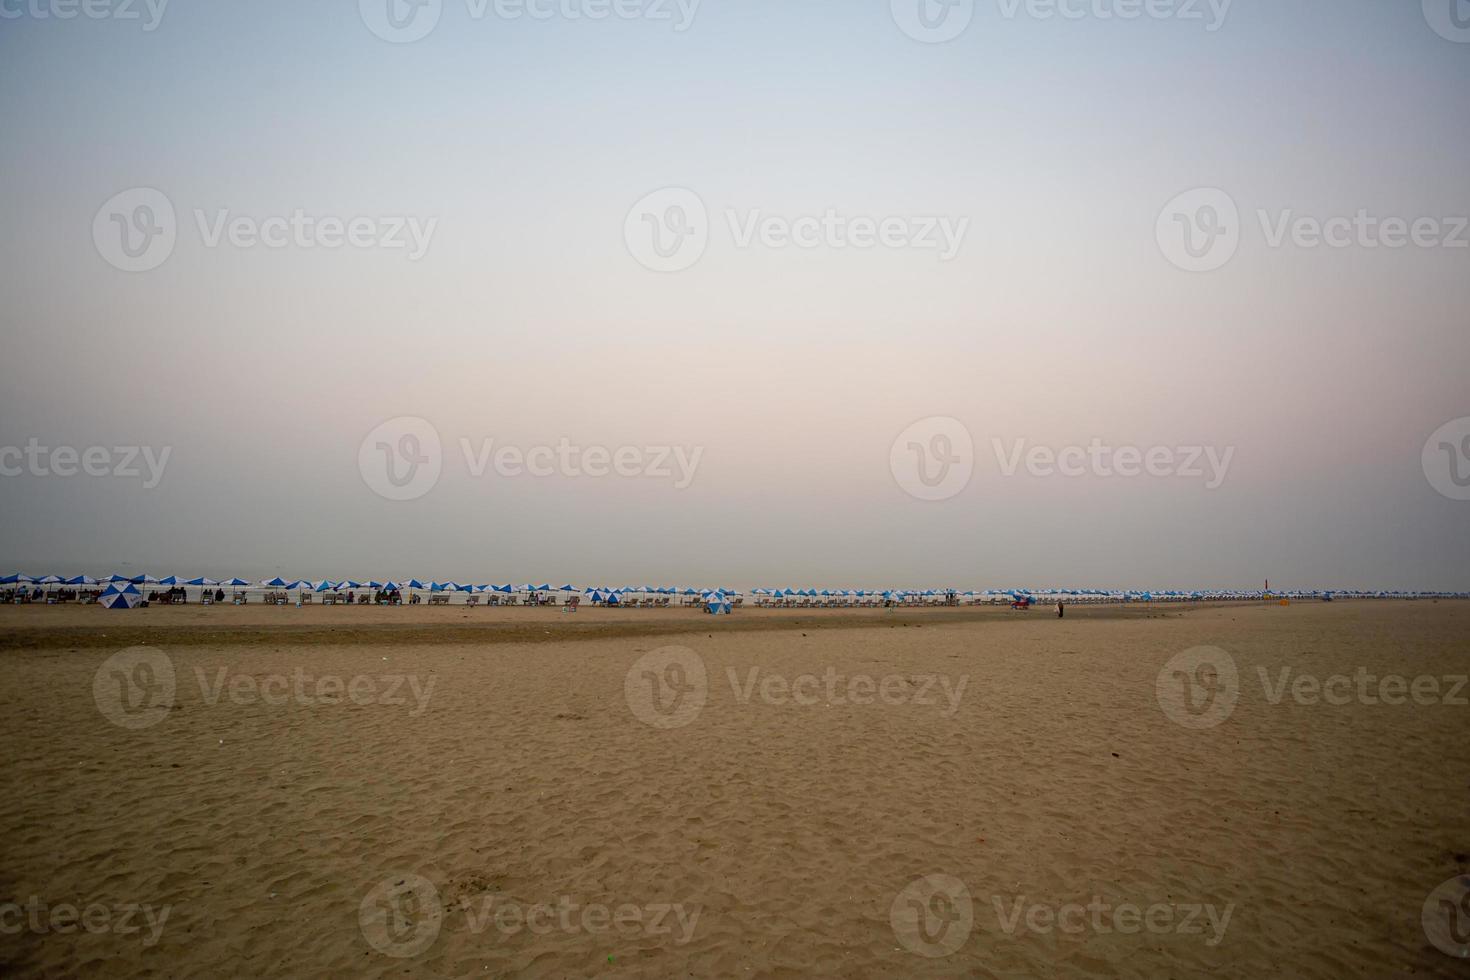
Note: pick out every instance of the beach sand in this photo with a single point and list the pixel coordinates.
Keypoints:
(484, 766)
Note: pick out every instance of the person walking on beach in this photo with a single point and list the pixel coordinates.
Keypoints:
(1061, 610)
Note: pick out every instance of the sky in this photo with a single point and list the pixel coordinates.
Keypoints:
(848, 293)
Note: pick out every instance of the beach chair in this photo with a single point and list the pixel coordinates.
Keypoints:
(473, 600)
(305, 597)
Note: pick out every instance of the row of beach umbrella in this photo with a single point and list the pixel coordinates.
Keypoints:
(621, 593)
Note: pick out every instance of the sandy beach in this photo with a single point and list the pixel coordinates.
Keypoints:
(394, 805)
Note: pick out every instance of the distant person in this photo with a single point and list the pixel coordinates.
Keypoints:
(219, 595)
(1061, 609)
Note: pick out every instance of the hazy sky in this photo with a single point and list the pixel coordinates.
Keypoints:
(547, 297)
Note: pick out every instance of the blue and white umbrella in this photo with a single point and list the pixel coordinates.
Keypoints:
(120, 595)
(716, 603)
